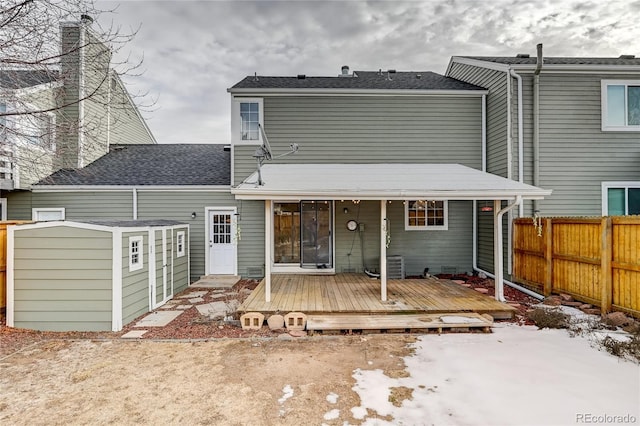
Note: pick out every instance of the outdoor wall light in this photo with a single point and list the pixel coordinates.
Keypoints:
(346, 210)
(193, 215)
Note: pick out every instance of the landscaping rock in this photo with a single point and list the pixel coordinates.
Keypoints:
(482, 290)
(275, 322)
(458, 281)
(572, 304)
(297, 333)
(592, 311)
(285, 336)
(585, 306)
(552, 301)
(566, 297)
(633, 328)
(617, 319)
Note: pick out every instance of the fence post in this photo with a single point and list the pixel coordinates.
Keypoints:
(606, 278)
(548, 257)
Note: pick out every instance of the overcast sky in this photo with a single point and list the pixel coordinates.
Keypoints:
(195, 50)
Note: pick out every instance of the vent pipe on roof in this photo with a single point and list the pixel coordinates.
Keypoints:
(86, 19)
(523, 55)
(345, 71)
(301, 76)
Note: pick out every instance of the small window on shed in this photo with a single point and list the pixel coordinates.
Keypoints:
(136, 255)
(180, 244)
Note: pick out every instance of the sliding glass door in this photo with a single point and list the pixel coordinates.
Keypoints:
(302, 234)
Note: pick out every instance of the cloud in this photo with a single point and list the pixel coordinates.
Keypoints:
(195, 50)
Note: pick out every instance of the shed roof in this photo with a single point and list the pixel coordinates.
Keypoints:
(381, 80)
(151, 165)
(381, 181)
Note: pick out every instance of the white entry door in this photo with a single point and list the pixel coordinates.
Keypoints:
(222, 242)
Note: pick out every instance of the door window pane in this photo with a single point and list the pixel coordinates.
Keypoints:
(286, 232)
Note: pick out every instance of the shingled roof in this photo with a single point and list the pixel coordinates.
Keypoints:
(360, 80)
(151, 165)
(514, 60)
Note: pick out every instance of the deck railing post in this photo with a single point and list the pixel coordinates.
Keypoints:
(383, 250)
(267, 249)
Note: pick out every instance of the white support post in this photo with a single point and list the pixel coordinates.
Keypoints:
(267, 249)
(383, 250)
(498, 260)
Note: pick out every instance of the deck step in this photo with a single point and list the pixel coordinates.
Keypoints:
(333, 322)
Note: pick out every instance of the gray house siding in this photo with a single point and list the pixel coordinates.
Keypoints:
(178, 205)
(62, 279)
(350, 245)
(433, 249)
(575, 154)
(355, 129)
(496, 83)
(135, 285)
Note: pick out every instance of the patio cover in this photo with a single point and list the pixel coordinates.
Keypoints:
(381, 181)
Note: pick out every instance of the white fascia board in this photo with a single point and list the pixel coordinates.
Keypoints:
(70, 224)
(545, 67)
(478, 63)
(111, 188)
(354, 92)
(401, 195)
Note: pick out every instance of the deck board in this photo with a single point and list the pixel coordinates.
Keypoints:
(357, 293)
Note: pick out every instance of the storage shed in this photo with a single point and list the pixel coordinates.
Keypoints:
(94, 275)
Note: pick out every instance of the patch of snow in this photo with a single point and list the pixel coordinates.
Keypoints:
(455, 319)
(332, 415)
(359, 413)
(332, 398)
(287, 393)
(510, 373)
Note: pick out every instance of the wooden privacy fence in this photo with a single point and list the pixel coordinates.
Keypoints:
(595, 260)
(3, 260)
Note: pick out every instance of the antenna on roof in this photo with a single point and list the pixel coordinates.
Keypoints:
(264, 152)
(255, 76)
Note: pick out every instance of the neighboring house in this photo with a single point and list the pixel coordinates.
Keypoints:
(567, 124)
(82, 108)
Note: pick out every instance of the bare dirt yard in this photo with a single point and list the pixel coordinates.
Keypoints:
(224, 382)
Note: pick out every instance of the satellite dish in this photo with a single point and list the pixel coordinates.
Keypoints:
(264, 152)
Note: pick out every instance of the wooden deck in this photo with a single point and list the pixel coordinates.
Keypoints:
(359, 294)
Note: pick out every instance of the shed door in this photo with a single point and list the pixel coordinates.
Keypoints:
(163, 259)
(222, 245)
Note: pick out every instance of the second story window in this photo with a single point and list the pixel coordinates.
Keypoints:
(249, 120)
(246, 115)
(621, 105)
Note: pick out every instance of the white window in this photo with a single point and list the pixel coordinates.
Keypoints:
(620, 198)
(47, 214)
(180, 244)
(621, 105)
(425, 214)
(246, 116)
(136, 253)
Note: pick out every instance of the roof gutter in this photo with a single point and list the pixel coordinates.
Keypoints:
(351, 92)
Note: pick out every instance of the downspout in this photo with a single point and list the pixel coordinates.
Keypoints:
(475, 213)
(520, 137)
(536, 123)
(497, 245)
(134, 194)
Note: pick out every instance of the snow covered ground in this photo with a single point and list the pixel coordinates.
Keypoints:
(518, 375)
